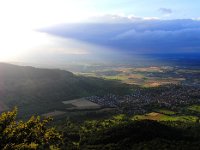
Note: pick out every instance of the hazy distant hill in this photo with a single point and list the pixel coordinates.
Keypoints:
(36, 91)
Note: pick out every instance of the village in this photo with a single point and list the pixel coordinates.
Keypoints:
(144, 100)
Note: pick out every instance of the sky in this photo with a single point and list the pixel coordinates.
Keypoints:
(21, 19)
(38, 13)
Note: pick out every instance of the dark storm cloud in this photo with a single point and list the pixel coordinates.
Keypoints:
(138, 36)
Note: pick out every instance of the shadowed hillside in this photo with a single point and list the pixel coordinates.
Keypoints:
(37, 91)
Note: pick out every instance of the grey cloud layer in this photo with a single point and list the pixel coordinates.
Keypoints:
(138, 36)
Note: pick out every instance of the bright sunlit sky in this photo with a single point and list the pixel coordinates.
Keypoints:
(20, 17)
(37, 13)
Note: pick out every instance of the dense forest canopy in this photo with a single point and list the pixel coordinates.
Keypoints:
(118, 132)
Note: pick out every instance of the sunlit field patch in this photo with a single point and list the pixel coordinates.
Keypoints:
(163, 117)
(195, 108)
(166, 112)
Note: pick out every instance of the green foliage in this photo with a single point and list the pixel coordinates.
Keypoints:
(32, 134)
(122, 133)
(195, 108)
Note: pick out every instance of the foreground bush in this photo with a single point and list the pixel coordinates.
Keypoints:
(32, 134)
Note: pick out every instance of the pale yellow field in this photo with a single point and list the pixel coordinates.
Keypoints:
(81, 103)
(53, 113)
(149, 69)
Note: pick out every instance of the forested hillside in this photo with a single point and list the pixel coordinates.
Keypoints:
(37, 91)
(116, 133)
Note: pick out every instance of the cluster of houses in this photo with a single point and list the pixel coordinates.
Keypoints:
(109, 100)
(142, 100)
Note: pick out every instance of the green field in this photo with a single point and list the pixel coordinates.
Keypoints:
(195, 108)
(166, 112)
(163, 117)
